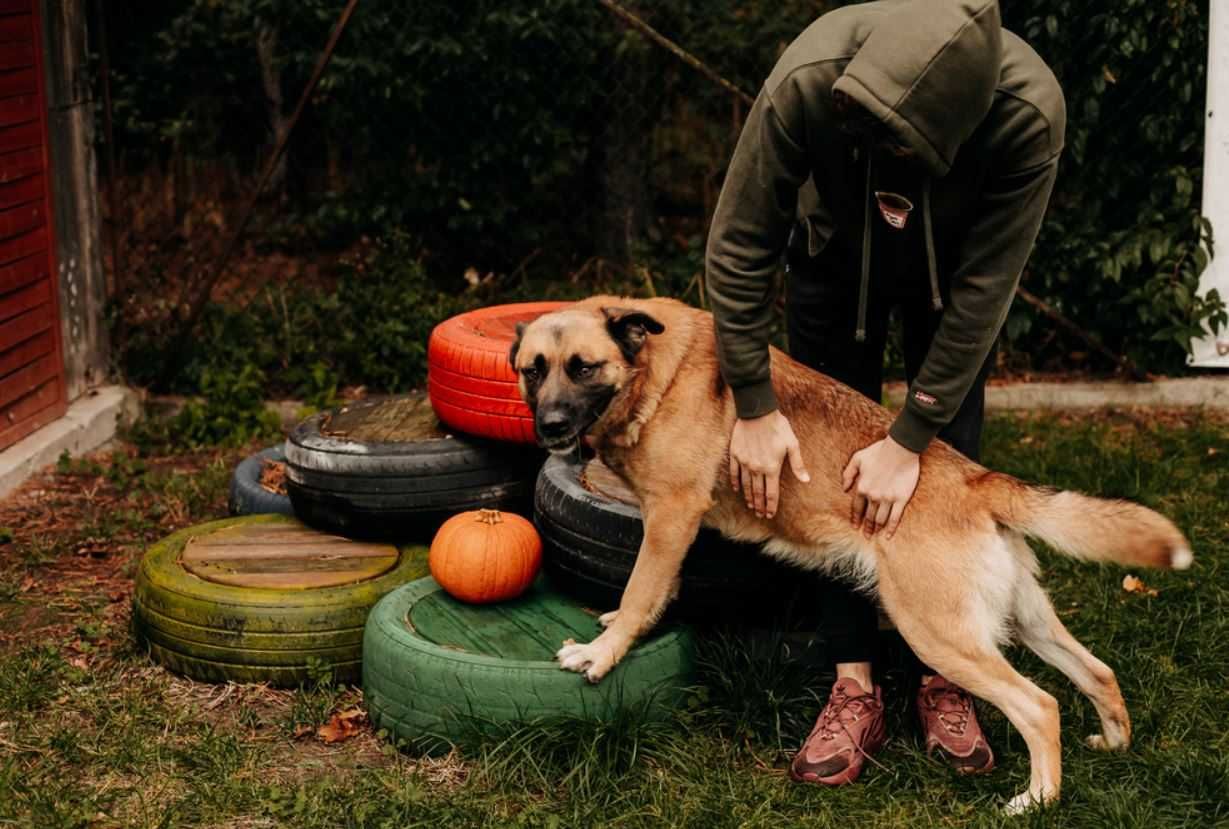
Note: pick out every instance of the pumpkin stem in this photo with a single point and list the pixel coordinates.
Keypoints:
(490, 516)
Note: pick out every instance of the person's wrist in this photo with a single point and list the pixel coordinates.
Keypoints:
(901, 451)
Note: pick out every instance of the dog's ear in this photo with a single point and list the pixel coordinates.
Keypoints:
(516, 346)
(630, 328)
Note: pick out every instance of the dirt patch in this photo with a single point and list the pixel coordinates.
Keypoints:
(78, 529)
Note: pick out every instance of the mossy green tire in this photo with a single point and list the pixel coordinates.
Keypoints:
(429, 694)
(224, 633)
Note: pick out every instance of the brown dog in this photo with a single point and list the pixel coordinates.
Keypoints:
(639, 379)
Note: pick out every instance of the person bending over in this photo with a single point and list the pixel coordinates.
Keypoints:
(900, 155)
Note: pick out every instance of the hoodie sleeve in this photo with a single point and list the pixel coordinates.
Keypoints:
(990, 262)
(750, 228)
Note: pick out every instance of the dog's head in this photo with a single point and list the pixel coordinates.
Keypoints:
(572, 363)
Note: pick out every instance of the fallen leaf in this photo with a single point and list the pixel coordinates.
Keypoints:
(301, 731)
(1133, 584)
(95, 548)
(273, 477)
(342, 725)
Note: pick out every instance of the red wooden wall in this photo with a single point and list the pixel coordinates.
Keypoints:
(31, 365)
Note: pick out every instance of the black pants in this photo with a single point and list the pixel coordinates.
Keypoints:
(820, 315)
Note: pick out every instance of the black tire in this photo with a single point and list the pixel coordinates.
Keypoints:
(406, 489)
(590, 544)
(247, 496)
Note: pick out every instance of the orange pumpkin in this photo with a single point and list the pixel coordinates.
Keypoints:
(485, 556)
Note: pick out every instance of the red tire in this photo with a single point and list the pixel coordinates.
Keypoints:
(472, 387)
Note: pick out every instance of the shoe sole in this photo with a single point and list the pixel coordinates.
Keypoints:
(958, 765)
(847, 775)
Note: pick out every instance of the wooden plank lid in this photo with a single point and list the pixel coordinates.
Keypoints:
(284, 557)
(399, 419)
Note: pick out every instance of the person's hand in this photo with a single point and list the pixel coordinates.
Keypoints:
(885, 474)
(757, 450)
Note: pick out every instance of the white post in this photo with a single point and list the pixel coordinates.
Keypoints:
(1213, 351)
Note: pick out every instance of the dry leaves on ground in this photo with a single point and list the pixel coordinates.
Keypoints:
(342, 725)
(1134, 584)
(273, 477)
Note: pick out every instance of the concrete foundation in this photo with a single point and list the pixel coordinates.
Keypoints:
(90, 422)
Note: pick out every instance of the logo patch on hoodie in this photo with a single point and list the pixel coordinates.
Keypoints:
(924, 398)
(894, 208)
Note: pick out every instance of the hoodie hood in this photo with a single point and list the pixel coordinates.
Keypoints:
(929, 71)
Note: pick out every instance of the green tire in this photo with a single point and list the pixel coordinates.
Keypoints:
(461, 678)
(226, 633)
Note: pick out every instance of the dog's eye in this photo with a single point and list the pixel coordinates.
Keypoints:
(579, 370)
(529, 373)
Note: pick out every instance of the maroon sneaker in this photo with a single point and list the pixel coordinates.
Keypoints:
(950, 727)
(848, 731)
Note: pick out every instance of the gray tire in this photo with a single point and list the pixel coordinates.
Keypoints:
(247, 496)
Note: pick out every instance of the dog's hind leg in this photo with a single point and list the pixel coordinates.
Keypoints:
(1041, 631)
(950, 628)
(987, 674)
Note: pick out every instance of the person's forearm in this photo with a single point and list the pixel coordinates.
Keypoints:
(983, 286)
(754, 214)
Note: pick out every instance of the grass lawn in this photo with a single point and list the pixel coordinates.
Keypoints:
(94, 735)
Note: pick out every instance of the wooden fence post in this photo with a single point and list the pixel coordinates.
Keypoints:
(74, 193)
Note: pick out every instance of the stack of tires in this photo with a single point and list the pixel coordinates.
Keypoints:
(397, 467)
(332, 571)
(435, 670)
(328, 523)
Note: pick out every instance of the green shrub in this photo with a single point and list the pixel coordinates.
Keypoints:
(369, 329)
(496, 130)
(1123, 245)
(232, 413)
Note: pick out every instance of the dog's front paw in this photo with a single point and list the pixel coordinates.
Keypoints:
(593, 660)
(607, 619)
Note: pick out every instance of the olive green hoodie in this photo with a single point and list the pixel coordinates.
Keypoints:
(984, 116)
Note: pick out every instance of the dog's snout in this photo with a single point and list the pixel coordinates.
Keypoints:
(554, 423)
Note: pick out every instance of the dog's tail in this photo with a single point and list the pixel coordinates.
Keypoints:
(1097, 529)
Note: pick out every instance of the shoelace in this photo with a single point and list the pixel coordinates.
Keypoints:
(953, 704)
(842, 711)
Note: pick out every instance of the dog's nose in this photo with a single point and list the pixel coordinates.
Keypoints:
(553, 424)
